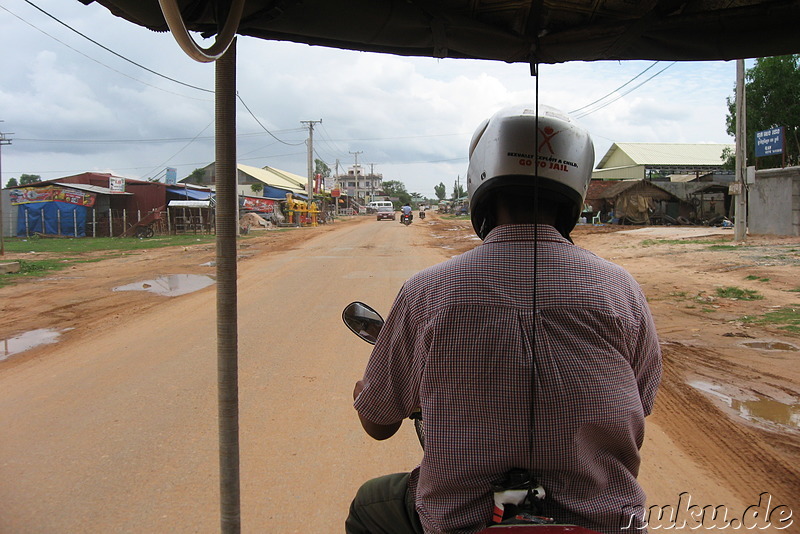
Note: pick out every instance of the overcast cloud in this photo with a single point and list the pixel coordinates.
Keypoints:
(74, 107)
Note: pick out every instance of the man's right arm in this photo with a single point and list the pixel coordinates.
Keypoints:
(375, 430)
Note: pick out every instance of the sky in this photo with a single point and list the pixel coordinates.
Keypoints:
(70, 106)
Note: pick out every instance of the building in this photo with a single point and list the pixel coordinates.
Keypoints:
(267, 182)
(647, 161)
(360, 186)
(92, 204)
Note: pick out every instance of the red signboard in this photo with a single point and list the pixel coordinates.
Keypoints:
(51, 193)
(262, 205)
(335, 193)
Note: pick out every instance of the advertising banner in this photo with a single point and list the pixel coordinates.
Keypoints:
(51, 193)
(116, 184)
(262, 205)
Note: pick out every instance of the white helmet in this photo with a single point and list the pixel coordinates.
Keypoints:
(503, 153)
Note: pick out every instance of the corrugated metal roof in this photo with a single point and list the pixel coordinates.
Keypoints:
(680, 154)
(276, 178)
(92, 188)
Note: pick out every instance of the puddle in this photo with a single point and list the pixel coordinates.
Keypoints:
(28, 340)
(755, 408)
(171, 285)
(770, 345)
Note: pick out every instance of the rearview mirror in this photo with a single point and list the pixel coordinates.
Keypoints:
(363, 321)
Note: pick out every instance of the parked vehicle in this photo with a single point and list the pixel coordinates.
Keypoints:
(386, 212)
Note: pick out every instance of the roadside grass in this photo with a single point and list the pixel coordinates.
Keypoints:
(737, 293)
(68, 251)
(713, 242)
(93, 244)
(785, 318)
(759, 278)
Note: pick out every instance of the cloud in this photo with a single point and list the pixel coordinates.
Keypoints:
(410, 117)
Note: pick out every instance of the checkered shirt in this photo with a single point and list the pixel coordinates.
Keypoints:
(460, 341)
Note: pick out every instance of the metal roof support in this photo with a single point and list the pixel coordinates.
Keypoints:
(227, 323)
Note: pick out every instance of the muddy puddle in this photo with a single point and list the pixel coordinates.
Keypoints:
(770, 345)
(171, 285)
(754, 408)
(28, 340)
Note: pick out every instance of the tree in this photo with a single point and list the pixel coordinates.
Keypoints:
(256, 188)
(440, 190)
(394, 188)
(12, 182)
(196, 177)
(772, 96)
(320, 167)
(26, 179)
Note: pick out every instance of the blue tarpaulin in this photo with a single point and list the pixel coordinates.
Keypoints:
(53, 218)
(190, 194)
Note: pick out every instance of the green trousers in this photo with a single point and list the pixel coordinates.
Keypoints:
(383, 506)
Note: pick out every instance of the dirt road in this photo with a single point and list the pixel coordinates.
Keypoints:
(113, 428)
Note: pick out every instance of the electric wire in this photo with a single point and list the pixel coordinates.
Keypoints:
(264, 127)
(615, 90)
(182, 149)
(98, 61)
(117, 54)
(140, 65)
(584, 114)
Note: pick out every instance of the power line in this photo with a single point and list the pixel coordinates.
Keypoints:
(97, 61)
(182, 149)
(116, 54)
(148, 69)
(264, 127)
(598, 108)
(615, 90)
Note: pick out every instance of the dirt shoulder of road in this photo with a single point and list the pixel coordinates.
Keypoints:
(729, 404)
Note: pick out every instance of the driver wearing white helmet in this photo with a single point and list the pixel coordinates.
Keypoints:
(526, 353)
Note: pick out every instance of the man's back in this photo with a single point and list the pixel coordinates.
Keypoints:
(463, 343)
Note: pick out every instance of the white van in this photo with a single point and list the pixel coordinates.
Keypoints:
(373, 206)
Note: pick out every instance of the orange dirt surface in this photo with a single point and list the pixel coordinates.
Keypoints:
(726, 425)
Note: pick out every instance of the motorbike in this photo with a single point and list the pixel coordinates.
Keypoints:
(515, 500)
(405, 218)
(421, 214)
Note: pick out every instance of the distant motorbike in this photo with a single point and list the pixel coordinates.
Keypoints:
(516, 510)
(405, 218)
(421, 214)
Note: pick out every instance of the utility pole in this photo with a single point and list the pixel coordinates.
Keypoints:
(371, 181)
(740, 222)
(3, 141)
(310, 158)
(355, 168)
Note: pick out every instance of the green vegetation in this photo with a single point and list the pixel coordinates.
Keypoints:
(787, 318)
(93, 244)
(715, 243)
(754, 277)
(737, 293)
(68, 251)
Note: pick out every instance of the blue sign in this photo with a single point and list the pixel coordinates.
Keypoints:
(769, 142)
(172, 176)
